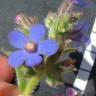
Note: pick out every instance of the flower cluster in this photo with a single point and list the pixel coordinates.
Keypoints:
(40, 46)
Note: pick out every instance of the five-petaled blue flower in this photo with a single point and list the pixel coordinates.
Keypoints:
(30, 48)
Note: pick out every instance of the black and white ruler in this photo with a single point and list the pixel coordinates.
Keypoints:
(87, 63)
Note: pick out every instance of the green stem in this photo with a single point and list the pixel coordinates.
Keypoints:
(20, 80)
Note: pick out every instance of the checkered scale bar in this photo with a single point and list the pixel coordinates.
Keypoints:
(86, 64)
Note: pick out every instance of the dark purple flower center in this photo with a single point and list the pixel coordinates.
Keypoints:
(31, 47)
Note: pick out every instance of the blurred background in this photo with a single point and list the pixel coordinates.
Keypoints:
(10, 8)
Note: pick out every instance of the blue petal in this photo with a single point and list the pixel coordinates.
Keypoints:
(85, 26)
(17, 58)
(80, 3)
(17, 39)
(77, 36)
(37, 32)
(48, 47)
(86, 40)
(33, 59)
(76, 44)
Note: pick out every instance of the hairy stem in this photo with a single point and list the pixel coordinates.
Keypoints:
(20, 80)
(31, 85)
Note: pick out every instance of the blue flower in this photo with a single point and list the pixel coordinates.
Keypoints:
(81, 3)
(78, 35)
(30, 48)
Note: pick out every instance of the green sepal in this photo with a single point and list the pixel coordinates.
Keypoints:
(54, 75)
(69, 50)
(55, 72)
(53, 29)
(49, 21)
(65, 25)
(27, 71)
(23, 30)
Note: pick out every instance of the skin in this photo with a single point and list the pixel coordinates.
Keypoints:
(7, 89)
(6, 71)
